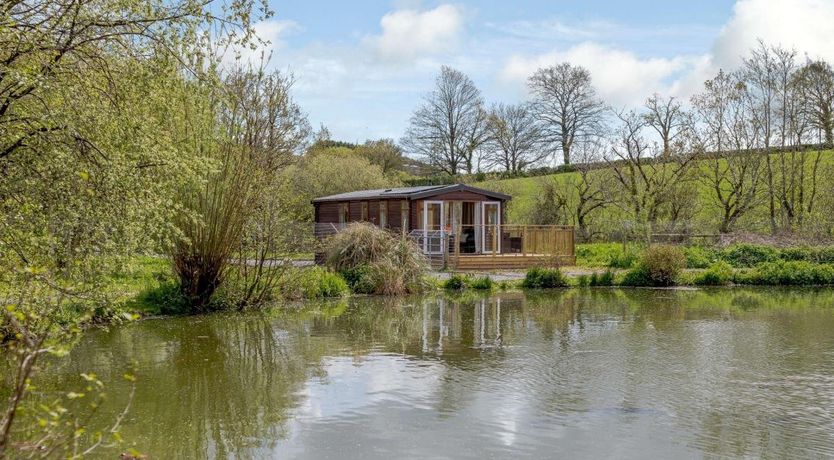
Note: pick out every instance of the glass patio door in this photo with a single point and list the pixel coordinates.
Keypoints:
(492, 227)
(433, 224)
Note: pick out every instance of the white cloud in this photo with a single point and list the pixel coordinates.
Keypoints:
(806, 25)
(408, 34)
(270, 40)
(620, 77)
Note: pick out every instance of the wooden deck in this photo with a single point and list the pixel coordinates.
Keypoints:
(508, 261)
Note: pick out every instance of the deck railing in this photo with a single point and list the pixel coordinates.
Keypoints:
(449, 245)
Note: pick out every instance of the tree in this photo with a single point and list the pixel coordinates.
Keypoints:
(729, 141)
(566, 104)
(449, 126)
(760, 77)
(815, 83)
(250, 131)
(593, 187)
(647, 186)
(384, 153)
(515, 137)
(667, 118)
(51, 46)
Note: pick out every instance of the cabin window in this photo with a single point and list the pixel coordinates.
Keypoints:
(343, 213)
(364, 213)
(404, 215)
(383, 214)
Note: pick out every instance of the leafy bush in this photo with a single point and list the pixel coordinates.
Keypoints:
(455, 282)
(699, 257)
(312, 283)
(584, 280)
(718, 274)
(749, 255)
(543, 278)
(374, 261)
(788, 273)
(482, 283)
(659, 266)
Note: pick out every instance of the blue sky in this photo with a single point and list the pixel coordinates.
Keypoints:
(361, 67)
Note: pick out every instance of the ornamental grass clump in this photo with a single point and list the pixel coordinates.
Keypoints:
(660, 266)
(374, 261)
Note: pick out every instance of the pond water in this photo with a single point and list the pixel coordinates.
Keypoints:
(571, 374)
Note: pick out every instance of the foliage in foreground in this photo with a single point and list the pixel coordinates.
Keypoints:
(374, 261)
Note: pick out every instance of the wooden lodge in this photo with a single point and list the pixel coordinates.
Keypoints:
(457, 226)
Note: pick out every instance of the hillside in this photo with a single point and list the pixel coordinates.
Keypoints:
(705, 215)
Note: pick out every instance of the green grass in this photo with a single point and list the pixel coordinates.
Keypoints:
(525, 190)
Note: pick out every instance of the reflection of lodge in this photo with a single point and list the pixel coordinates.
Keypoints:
(444, 320)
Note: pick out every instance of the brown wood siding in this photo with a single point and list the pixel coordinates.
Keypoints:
(355, 211)
(327, 213)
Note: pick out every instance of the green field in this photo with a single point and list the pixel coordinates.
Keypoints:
(707, 214)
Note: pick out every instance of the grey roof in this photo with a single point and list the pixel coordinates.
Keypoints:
(409, 192)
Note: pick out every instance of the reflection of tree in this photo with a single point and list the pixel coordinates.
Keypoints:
(223, 385)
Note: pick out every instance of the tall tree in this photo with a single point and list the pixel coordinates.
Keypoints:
(760, 75)
(729, 138)
(515, 137)
(667, 118)
(449, 126)
(567, 105)
(815, 83)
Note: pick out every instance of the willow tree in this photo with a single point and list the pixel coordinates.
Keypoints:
(250, 132)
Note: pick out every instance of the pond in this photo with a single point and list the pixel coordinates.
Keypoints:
(576, 374)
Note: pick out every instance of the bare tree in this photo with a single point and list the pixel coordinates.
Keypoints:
(729, 137)
(647, 185)
(592, 187)
(515, 137)
(815, 83)
(448, 127)
(667, 117)
(760, 74)
(566, 104)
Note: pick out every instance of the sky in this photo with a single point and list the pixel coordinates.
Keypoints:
(362, 67)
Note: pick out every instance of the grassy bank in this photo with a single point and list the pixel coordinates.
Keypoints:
(526, 190)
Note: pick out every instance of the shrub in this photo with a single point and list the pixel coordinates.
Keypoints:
(603, 279)
(801, 253)
(585, 280)
(698, 257)
(718, 274)
(455, 282)
(543, 278)
(374, 261)
(312, 283)
(789, 273)
(659, 266)
(482, 283)
(749, 255)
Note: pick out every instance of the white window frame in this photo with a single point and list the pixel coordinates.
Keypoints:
(484, 224)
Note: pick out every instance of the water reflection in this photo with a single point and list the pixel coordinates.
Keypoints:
(621, 373)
